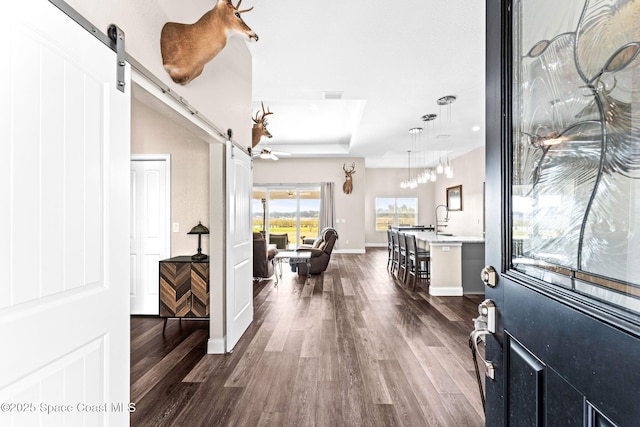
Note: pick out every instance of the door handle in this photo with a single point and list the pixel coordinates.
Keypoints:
(489, 276)
(484, 324)
(476, 336)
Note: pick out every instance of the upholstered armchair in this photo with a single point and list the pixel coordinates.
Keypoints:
(262, 257)
(281, 240)
(321, 249)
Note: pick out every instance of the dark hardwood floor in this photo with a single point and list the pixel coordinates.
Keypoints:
(351, 347)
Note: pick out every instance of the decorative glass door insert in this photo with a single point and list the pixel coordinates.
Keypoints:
(575, 210)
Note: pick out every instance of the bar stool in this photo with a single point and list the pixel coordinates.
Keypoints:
(418, 260)
(389, 248)
(403, 256)
(395, 254)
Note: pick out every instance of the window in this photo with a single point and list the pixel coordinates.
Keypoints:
(396, 211)
(294, 211)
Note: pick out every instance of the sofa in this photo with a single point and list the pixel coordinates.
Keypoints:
(263, 254)
(321, 249)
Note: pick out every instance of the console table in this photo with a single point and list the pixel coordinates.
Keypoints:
(184, 288)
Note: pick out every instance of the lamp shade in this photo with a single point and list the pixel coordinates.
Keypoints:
(199, 229)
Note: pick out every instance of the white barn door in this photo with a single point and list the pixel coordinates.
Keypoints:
(64, 187)
(149, 241)
(239, 286)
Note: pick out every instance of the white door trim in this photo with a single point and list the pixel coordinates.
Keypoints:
(166, 244)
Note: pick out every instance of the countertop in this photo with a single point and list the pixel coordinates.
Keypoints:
(431, 237)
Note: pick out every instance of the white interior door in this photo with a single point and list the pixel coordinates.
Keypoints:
(150, 216)
(239, 281)
(64, 159)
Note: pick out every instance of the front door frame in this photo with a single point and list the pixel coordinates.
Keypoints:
(497, 30)
(618, 377)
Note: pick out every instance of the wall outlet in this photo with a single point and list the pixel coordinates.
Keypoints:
(346, 242)
(446, 249)
(176, 227)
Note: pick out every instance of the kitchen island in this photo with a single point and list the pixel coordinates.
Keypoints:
(456, 262)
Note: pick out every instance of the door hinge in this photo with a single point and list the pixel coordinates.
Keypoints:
(117, 36)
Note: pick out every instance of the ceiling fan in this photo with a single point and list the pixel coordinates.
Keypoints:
(266, 153)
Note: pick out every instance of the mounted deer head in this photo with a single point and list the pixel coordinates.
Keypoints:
(186, 48)
(259, 128)
(347, 187)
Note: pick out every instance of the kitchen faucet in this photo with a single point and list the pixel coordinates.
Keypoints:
(446, 218)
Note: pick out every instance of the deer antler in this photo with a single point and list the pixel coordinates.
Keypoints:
(351, 168)
(267, 113)
(261, 118)
(243, 11)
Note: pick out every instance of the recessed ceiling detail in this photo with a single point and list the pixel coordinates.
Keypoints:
(327, 95)
(313, 123)
(384, 86)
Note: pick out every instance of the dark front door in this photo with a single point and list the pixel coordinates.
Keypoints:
(563, 187)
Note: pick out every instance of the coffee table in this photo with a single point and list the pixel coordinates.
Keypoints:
(297, 257)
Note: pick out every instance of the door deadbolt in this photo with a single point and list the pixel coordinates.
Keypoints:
(489, 276)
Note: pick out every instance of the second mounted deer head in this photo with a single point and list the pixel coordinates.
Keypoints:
(347, 187)
(186, 48)
(259, 128)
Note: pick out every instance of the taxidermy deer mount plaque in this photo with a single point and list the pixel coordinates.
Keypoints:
(259, 128)
(347, 187)
(187, 48)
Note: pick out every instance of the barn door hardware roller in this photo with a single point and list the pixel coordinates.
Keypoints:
(117, 36)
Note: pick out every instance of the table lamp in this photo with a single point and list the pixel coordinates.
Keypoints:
(199, 230)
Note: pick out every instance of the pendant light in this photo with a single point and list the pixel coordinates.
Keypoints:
(446, 102)
(412, 181)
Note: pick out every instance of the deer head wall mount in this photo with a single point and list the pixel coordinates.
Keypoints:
(187, 48)
(347, 187)
(259, 128)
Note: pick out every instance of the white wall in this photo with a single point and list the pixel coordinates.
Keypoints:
(222, 93)
(358, 209)
(468, 171)
(386, 183)
(349, 207)
(154, 133)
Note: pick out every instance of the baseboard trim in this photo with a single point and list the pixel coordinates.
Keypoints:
(453, 291)
(350, 251)
(216, 346)
(375, 245)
